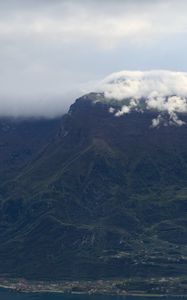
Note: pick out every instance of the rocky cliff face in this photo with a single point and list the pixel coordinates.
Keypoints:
(106, 197)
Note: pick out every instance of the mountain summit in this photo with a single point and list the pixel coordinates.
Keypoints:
(164, 92)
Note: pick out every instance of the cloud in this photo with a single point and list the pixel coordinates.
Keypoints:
(147, 84)
(124, 110)
(108, 23)
(43, 106)
(161, 91)
(74, 22)
(167, 120)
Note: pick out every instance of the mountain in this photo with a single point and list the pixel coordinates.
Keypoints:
(98, 196)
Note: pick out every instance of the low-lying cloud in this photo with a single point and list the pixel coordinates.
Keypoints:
(162, 91)
(44, 106)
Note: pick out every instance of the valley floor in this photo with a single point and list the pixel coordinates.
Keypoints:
(172, 286)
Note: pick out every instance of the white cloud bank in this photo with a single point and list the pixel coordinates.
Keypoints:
(162, 91)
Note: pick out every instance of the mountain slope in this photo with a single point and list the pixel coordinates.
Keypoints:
(21, 141)
(105, 198)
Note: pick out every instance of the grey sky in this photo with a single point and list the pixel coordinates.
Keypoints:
(51, 49)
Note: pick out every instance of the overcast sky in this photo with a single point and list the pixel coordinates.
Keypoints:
(51, 49)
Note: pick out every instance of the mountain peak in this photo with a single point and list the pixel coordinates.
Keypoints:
(160, 91)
